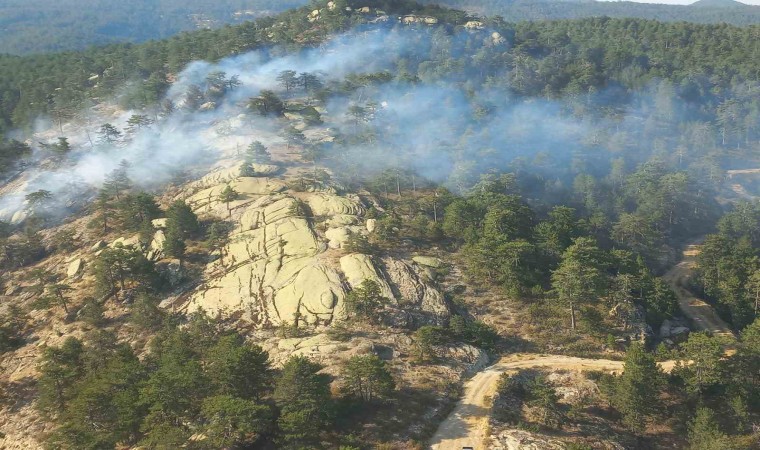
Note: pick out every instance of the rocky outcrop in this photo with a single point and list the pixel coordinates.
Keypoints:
(414, 293)
(358, 268)
(249, 189)
(322, 204)
(275, 269)
(156, 248)
(474, 358)
(632, 318)
(338, 237)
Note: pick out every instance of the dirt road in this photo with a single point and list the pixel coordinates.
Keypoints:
(697, 310)
(466, 425)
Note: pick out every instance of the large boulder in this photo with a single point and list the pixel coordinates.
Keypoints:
(75, 268)
(156, 248)
(358, 268)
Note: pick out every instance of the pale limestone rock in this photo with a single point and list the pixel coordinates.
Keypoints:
(474, 358)
(265, 170)
(338, 236)
(75, 268)
(249, 188)
(516, 439)
(358, 267)
(371, 225)
(18, 217)
(97, 246)
(316, 293)
(428, 261)
(156, 249)
(159, 223)
(134, 241)
(342, 220)
(323, 204)
(413, 292)
(13, 290)
(474, 25)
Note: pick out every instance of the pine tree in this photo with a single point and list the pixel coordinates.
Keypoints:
(303, 396)
(367, 378)
(637, 390)
(228, 195)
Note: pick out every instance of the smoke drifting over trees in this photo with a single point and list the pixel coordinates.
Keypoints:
(425, 100)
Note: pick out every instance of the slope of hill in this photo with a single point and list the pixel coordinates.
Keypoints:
(42, 26)
(306, 231)
(708, 11)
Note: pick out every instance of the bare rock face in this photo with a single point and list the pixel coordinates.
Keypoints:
(358, 268)
(272, 273)
(323, 204)
(475, 358)
(75, 268)
(156, 248)
(275, 270)
(265, 170)
(338, 237)
(413, 292)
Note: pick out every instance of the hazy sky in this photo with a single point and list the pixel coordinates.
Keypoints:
(685, 2)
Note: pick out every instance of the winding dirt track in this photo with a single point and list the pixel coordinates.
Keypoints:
(466, 425)
(697, 310)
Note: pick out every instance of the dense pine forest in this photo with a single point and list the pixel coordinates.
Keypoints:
(451, 189)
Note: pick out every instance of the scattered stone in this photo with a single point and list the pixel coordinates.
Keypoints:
(159, 224)
(371, 225)
(75, 268)
(208, 106)
(475, 358)
(679, 334)
(428, 261)
(97, 246)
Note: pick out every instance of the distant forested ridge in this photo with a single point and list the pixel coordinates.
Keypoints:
(36, 26)
(706, 11)
(713, 69)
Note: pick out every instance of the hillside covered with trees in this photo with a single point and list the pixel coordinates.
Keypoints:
(309, 230)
